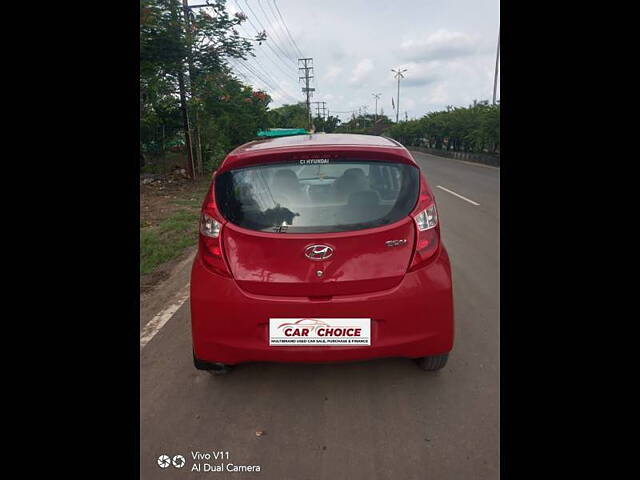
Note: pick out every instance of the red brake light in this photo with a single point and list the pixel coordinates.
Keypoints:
(425, 216)
(210, 246)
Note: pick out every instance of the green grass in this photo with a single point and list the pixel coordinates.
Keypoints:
(161, 243)
(195, 203)
(165, 241)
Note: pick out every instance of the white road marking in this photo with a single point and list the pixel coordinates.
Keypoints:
(457, 195)
(150, 329)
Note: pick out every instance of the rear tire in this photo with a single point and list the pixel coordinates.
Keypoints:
(433, 363)
(213, 368)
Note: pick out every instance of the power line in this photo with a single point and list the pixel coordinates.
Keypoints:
(276, 64)
(257, 70)
(275, 44)
(284, 62)
(293, 42)
(254, 73)
(264, 79)
(257, 62)
(289, 53)
(285, 35)
(274, 84)
(251, 81)
(264, 74)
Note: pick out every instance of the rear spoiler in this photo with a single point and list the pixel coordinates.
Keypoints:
(316, 154)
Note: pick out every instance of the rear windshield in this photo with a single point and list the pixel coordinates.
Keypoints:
(333, 197)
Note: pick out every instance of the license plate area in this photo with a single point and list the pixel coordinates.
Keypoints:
(319, 332)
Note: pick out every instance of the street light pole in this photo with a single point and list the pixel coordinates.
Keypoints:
(376, 96)
(399, 75)
(495, 78)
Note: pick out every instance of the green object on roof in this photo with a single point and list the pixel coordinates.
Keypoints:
(282, 132)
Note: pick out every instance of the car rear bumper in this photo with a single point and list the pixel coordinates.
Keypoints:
(413, 319)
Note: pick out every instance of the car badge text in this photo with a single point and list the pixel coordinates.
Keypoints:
(395, 243)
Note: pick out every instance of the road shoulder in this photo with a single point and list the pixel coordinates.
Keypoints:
(474, 164)
(177, 275)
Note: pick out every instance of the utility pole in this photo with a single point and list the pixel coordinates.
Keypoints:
(406, 116)
(398, 75)
(308, 68)
(197, 160)
(183, 100)
(377, 97)
(495, 78)
(317, 104)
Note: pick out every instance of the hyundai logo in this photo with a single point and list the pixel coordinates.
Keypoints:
(318, 252)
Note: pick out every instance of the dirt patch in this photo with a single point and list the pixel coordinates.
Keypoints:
(151, 280)
(161, 195)
(169, 213)
(162, 273)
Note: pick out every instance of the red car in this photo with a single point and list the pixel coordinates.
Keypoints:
(320, 248)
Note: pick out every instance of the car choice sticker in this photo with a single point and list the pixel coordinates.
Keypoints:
(319, 331)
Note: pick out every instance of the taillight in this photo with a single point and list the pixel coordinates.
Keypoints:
(427, 228)
(209, 226)
(428, 218)
(210, 246)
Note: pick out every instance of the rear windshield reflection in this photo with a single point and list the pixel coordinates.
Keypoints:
(344, 195)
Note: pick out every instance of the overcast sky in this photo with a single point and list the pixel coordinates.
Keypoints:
(447, 46)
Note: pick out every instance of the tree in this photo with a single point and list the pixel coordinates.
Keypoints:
(327, 125)
(289, 116)
(472, 129)
(232, 114)
(169, 46)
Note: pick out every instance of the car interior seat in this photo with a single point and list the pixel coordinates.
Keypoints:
(286, 182)
(352, 180)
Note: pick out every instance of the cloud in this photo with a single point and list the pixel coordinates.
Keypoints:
(361, 71)
(448, 47)
(332, 73)
(419, 81)
(440, 45)
(419, 74)
(438, 95)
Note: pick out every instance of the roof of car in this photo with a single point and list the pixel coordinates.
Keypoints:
(315, 146)
(317, 139)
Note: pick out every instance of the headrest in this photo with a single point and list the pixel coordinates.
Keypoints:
(354, 172)
(285, 178)
(285, 174)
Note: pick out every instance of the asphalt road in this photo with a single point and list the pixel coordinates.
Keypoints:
(383, 419)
